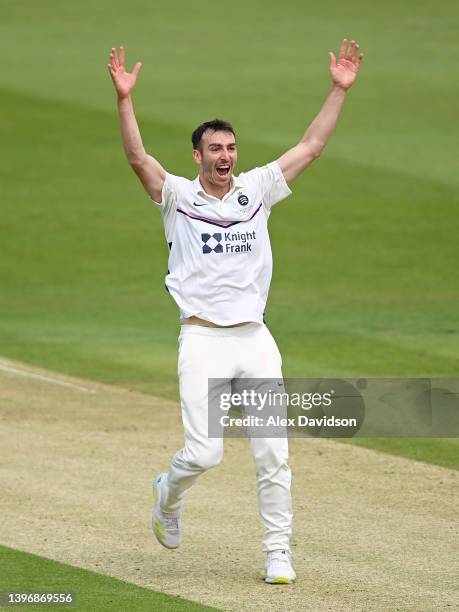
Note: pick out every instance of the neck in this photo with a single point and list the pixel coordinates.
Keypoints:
(214, 190)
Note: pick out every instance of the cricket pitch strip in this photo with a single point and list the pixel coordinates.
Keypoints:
(371, 531)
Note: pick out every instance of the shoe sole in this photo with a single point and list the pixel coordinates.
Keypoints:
(278, 580)
(155, 526)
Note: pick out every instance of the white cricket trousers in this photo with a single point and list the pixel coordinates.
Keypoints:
(248, 351)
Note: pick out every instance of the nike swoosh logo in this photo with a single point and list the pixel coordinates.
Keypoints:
(204, 204)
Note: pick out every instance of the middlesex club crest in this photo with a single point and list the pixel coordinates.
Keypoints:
(243, 200)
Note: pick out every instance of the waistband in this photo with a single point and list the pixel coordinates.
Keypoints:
(221, 332)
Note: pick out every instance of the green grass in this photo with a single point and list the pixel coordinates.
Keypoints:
(365, 279)
(440, 451)
(22, 572)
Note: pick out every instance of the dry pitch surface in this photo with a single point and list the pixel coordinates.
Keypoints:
(371, 532)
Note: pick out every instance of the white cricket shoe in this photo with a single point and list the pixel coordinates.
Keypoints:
(278, 568)
(166, 527)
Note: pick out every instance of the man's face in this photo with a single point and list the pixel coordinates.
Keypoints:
(217, 157)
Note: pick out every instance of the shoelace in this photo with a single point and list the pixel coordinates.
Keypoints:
(279, 556)
(171, 523)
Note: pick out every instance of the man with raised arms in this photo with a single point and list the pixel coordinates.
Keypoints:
(220, 266)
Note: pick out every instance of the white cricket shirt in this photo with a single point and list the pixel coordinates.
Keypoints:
(220, 260)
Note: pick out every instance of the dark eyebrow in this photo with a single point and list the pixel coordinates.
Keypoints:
(219, 146)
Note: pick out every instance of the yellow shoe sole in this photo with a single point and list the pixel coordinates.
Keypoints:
(281, 580)
(278, 580)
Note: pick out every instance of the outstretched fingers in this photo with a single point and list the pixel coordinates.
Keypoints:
(114, 58)
(342, 51)
(350, 51)
(117, 67)
(136, 69)
(332, 57)
(355, 51)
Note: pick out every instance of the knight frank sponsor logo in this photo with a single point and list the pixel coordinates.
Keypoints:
(228, 242)
(212, 243)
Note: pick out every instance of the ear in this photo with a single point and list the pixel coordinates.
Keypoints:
(197, 156)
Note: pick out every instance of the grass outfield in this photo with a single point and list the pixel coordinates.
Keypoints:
(365, 280)
(25, 573)
(440, 451)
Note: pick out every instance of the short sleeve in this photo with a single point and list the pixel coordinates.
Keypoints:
(273, 184)
(169, 193)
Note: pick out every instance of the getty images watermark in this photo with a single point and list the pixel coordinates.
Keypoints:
(333, 407)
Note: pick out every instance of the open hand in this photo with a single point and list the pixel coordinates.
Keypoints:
(344, 71)
(124, 81)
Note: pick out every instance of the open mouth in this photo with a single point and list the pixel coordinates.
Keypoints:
(223, 170)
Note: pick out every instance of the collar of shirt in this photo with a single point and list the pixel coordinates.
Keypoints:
(199, 189)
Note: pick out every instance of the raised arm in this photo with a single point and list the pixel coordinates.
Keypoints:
(343, 73)
(147, 168)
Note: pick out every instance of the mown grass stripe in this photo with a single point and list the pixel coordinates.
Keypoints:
(24, 572)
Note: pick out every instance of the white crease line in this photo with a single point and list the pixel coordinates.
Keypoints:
(55, 381)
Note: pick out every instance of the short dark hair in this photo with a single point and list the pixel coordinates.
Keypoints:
(216, 125)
